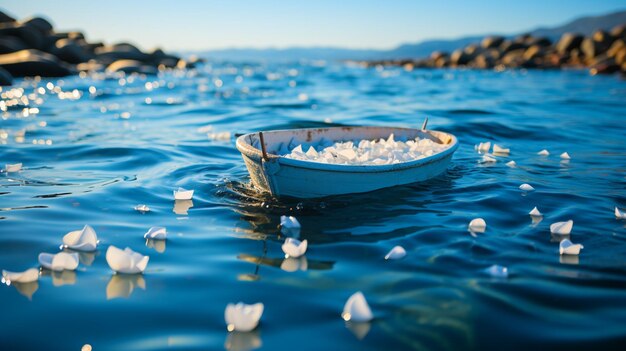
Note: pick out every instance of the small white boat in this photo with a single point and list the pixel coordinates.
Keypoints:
(282, 176)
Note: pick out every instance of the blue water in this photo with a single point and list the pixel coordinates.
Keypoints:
(92, 156)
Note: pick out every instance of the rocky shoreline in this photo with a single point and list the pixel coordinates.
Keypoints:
(31, 47)
(602, 53)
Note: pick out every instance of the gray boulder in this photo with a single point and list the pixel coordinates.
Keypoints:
(493, 41)
(5, 77)
(9, 44)
(41, 24)
(131, 66)
(30, 63)
(569, 42)
(69, 51)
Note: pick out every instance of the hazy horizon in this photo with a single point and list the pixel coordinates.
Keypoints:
(214, 25)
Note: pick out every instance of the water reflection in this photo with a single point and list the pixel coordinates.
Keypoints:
(182, 206)
(238, 341)
(569, 259)
(63, 278)
(291, 264)
(157, 245)
(86, 258)
(122, 285)
(557, 238)
(302, 263)
(27, 289)
(359, 329)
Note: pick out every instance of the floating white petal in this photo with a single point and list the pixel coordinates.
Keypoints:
(511, 164)
(396, 253)
(289, 225)
(142, 208)
(497, 271)
(483, 147)
(59, 262)
(535, 212)
(566, 247)
(294, 247)
(526, 187)
(28, 276)
(156, 233)
(565, 156)
(562, 228)
(242, 317)
(181, 207)
(356, 309)
(126, 261)
(619, 214)
(543, 152)
(488, 159)
(477, 225)
(81, 240)
(183, 194)
(16, 167)
(497, 149)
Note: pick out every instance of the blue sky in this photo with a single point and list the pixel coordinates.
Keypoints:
(209, 24)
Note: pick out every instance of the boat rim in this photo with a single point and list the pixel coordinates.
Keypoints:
(247, 149)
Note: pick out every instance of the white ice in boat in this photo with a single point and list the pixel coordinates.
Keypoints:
(291, 264)
(183, 194)
(356, 309)
(126, 261)
(497, 149)
(483, 147)
(498, 271)
(81, 240)
(294, 247)
(511, 164)
(477, 225)
(526, 187)
(142, 208)
(156, 233)
(16, 167)
(562, 228)
(289, 225)
(535, 212)
(565, 156)
(241, 317)
(59, 262)
(27, 276)
(566, 247)
(543, 152)
(488, 159)
(619, 214)
(366, 152)
(396, 253)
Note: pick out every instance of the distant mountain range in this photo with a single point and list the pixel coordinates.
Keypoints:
(584, 25)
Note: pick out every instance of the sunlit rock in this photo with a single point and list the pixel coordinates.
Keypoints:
(241, 317)
(497, 149)
(294, 247)
(122, 285)
(59, 262)
(565, 156)
(126, 261)
(562, 228)
(356, 309)
(142, 208)
(526, 187)
(10, 168)
(535, 212)
(619, 214)
(156, 233)
(477, 225)
(497, 271)
(566, 247)
(27, 276)
(396, 253)
(183, 194)
(291, 264)
(543, 152)
(81, 240)
(289, 225)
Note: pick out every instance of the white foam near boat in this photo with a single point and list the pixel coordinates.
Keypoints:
(282, 176)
